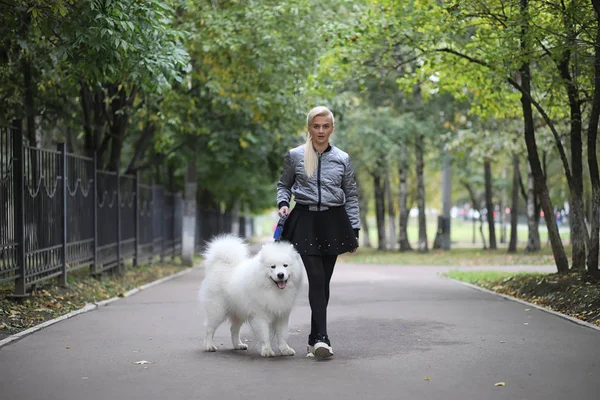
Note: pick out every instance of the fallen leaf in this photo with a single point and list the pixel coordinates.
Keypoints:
(528, 309)
(142, 362)
(121, 294)
(14, 312)
(502, 341)
(428, 378)
(68, 347)
(500, 384)
(526, 323)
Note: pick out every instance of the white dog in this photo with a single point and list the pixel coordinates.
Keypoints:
(260, 290)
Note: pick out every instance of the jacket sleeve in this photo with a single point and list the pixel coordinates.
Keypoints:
(284, 186)
(351, 191)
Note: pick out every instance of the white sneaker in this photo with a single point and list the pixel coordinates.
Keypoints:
(322, 350)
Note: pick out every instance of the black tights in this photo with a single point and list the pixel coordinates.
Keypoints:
(319, 270)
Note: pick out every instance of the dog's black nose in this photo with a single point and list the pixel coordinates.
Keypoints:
(280, 275)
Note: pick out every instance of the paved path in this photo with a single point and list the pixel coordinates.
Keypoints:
(391, 328)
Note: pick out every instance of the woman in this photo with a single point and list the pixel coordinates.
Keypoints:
(325, 220)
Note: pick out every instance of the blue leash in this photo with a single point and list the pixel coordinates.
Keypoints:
(279, 228)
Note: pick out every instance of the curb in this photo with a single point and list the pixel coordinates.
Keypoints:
(91, 306)
(507, 297)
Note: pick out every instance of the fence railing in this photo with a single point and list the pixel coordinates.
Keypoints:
(60, 213)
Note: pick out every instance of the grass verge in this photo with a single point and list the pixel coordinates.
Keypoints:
(568, 294)
(50, 301)
(455, 256)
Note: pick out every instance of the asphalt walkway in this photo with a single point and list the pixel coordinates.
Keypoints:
(398, 333)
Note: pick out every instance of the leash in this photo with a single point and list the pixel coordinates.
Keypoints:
(279, 228)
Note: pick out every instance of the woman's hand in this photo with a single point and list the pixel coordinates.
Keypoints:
(284, 210)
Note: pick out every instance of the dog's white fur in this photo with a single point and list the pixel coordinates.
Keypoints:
(245, 289)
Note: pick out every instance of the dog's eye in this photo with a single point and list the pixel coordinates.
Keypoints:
(285, 265)
(272, 266)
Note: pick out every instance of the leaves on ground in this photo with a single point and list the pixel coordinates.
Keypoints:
(500, 384)
(50, 301)
(569, 294)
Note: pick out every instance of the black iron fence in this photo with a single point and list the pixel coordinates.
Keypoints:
(67, 214)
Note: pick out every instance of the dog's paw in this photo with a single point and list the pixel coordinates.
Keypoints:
(267, 352)
(287, 351)
(210, 347)
(241, 346)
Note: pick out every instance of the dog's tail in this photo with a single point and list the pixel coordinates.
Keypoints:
(225, 249)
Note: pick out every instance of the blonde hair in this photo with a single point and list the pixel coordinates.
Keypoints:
(310, 155)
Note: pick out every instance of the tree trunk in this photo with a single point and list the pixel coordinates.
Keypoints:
(533, 238)
(142, 145)
(364, 226)
(489, 205)
(379, 209)
(503, 203)
(578, 230)
(579, 236)
(117, 127)
(419, 144)
(562, 263)
(403, 206)
(514, 209)
(592, 156)
(481, 231)
(235, 216)
(189, 233)
(94, 121)
(29, 101)
(476, 207)
(391, 239)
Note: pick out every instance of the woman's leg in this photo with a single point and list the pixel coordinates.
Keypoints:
(317, 281)
(328, 265)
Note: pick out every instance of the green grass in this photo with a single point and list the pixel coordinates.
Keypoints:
(461, 232)
(453, 257)
(481, 277)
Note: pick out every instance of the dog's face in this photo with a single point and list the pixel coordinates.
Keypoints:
(281, 264)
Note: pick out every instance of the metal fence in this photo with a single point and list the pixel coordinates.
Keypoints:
(69, 215)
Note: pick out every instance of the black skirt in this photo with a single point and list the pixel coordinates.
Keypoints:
(322, 233)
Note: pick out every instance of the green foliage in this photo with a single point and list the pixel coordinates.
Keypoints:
(244, 101)
(124, 41)
(227, 84)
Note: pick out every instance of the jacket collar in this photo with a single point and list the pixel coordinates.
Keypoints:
(328, 149)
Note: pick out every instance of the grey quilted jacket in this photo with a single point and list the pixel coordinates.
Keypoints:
(333, 183)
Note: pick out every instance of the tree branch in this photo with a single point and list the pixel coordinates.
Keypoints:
(523, 191)
(515, 84)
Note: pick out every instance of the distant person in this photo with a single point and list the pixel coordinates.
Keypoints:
(325, 220)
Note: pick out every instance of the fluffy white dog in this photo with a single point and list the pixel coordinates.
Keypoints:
(260, 290)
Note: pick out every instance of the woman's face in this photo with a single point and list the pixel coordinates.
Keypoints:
(320, 129)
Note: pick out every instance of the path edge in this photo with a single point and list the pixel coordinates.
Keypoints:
(524, 302)
(91, 306)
